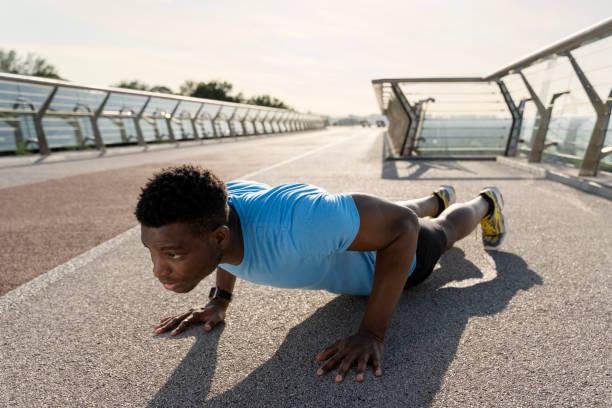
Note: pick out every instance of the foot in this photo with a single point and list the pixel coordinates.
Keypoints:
(446, 197)
(493, 224)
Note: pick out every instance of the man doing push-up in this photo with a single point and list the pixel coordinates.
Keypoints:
(300, 236)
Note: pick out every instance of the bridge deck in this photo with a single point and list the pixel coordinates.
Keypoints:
(528, 326)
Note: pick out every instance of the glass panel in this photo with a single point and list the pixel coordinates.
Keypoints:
(222, 128)
(206, 129)
(182, 129)
(15, 95)
(460, 118)
(160, 107)
(190, 108)
(124, 103)
(248, 127)
(69, 131)
(76, 100)
(227, 111)
(236, 127)
(210, 110)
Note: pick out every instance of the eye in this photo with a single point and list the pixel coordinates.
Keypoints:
(174, 256)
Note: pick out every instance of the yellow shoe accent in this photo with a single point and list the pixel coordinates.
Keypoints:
(493, 224)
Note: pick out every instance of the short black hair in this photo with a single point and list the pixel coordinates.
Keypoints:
(187, 193)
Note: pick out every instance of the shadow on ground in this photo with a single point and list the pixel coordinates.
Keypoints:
(418, 169)
(420, 346)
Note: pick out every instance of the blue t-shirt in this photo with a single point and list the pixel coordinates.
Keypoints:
(297, 235)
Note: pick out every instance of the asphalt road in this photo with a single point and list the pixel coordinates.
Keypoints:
(528, 326)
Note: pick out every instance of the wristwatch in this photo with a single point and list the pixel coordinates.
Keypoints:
(216, 293)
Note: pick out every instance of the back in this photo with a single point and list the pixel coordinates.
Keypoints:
(297, 235)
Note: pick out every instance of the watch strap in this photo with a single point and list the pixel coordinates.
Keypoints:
(217, 293)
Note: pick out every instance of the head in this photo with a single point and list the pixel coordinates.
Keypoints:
(183, 215)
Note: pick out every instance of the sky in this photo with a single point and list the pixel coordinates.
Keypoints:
(317, 56)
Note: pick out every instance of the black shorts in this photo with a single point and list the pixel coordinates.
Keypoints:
(430, 247)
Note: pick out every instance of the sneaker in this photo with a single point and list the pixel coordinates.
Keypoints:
(446, 195)
(493, 224)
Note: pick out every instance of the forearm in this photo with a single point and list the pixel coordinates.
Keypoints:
(225, 280)
(391, 273)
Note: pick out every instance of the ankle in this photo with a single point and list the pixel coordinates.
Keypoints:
(490, 205)
(440, 205)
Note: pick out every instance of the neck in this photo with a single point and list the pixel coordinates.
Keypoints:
(235, 251)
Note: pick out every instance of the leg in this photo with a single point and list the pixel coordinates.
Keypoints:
(422, 207)
(459, 220)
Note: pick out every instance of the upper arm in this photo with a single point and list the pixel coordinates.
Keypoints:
(381, 223)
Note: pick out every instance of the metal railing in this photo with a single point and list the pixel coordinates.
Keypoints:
(40, 115)
(551, 93)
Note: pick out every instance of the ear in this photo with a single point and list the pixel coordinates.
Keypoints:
(221, 236)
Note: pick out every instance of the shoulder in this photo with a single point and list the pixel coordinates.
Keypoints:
(238, 187)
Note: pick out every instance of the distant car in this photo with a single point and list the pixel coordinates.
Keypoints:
(365, 123)
(380, 123)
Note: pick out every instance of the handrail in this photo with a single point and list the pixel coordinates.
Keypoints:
(124, 91)
(590, 34)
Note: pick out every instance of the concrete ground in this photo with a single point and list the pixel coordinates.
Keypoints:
(527, 326)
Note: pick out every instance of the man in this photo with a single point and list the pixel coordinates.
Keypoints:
(300, 236)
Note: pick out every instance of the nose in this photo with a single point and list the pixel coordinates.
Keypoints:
(160, 269)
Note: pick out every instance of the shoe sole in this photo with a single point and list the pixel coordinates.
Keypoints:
(498, 246)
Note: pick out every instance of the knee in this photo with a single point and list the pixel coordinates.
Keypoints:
(449, 230)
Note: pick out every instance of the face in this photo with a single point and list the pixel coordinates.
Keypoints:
(181, 256)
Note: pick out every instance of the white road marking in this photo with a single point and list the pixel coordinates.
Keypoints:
(301, 156)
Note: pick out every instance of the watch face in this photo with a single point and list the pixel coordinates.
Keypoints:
(216, 293)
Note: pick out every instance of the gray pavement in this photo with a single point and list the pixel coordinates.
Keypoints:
(528, 326)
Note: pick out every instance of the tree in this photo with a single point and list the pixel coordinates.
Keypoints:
(161, 89)
(267, 100)
(30, 65)
(141, 86)
(217, 90)
(135, 84)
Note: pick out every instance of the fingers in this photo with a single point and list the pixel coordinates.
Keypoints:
(328, 352)
(376, 359)
(188, 321)
(362, 365)
(170, 323)
(345, 366)
(212, 322)
(331, 364)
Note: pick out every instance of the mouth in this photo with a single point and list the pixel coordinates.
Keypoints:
(170, 286)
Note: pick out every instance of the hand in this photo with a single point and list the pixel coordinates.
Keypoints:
(211, 315)
(361, 348)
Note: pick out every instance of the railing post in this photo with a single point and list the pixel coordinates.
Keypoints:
(254, 122)
(43, 145)
(242, 123)
(515, 128)
(169, 118)
(137, 117)
(214, 122)
(538, 144)
(293, 122)
(263, 123)
(193, 120)
(593, 153)
(273, 117)
(416, 136)
(411, 115)
(94, 124)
